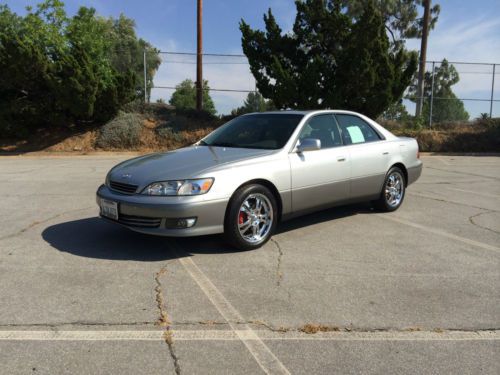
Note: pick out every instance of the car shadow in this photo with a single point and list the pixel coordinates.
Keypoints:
(325, 215)
(96, 238)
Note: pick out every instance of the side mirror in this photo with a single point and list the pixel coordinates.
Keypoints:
(309, 144)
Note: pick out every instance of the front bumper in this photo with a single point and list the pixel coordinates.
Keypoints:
(209, 214)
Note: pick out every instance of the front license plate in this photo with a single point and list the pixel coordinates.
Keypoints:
(109, 209)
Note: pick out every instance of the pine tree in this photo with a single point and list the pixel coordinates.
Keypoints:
(184, 96)
(254, 102)
(446, 106)
(330, 60)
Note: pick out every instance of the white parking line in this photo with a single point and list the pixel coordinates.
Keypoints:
(254, 336)
(262, 354)
(441, 233)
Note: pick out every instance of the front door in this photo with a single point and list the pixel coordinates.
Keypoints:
(320, 177)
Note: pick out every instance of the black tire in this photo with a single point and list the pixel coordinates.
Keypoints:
(232, 220)
(384, 202)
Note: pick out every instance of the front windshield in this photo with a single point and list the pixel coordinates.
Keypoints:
(269, 131)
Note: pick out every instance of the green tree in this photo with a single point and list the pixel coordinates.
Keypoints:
(57, 69)
(127, 52)
(254, 102)
(446, 106)
(401, 17)
(396, 111)
(330, 60)
(184, 96)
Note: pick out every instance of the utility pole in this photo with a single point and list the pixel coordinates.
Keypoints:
(145, 79)
(423, 53)
(199, 59)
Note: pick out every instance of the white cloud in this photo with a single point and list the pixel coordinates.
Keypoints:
(476, 40)
(472, 40)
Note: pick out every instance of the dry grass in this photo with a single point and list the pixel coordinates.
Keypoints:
(413, 329)
(162, 129)
(82, 142)
(312, 328)
(475, 136)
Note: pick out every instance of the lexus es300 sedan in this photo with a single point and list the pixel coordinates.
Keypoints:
(258, 169)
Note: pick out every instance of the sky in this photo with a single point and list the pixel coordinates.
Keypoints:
(467, 31)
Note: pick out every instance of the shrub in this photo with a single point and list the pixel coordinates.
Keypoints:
(194, 114)
(489, 122)
(170, 135)
(124, 131)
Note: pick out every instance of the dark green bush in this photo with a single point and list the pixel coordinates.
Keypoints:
(57, 70)
(195, 114)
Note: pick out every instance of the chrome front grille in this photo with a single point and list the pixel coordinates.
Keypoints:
(122, 187)
(139, 221)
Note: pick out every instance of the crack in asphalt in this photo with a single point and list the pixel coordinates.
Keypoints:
(164, 320)
(447, 201)
(312, 328)
(38, 222)
(463, 173)
(471, 220)
(279, 273)
(309, 328)
(77, 324)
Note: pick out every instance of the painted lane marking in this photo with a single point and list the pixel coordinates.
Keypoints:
(256, 336)
(442, 233)
(262, 354)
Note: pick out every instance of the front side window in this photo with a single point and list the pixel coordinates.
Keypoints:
(324, 128)
(262, 131)
(356, 130)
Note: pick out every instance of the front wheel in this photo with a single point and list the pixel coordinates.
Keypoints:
(251, 218)
(393, 191)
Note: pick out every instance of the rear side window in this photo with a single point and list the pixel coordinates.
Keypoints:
(356, 130)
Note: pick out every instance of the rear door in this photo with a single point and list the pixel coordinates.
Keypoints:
(320, 177)
(369, 155)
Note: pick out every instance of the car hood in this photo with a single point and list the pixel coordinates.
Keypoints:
(184, 163)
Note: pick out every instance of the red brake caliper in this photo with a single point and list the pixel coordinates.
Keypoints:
(241, 218)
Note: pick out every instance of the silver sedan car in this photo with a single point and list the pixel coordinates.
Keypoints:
(259, 169)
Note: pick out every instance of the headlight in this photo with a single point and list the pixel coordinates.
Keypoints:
(180, 187)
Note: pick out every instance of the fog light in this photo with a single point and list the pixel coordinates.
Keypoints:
(180, 223)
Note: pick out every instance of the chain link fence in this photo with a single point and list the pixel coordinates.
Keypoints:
(472, 95)
(228, 75)
(230, 80)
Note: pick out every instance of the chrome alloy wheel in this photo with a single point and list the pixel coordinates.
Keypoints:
(255, 218)
(394, 189)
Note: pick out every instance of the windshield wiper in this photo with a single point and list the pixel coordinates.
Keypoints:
(223, 144)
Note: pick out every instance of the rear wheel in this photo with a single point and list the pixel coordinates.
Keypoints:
(251, 218)
(393, 191)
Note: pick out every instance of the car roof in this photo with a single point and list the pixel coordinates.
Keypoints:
(280, 112)
(301, 112)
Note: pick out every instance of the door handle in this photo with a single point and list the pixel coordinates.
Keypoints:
(340, 158)
(385, 153)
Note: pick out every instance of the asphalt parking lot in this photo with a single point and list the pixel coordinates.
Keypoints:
(415, 291)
